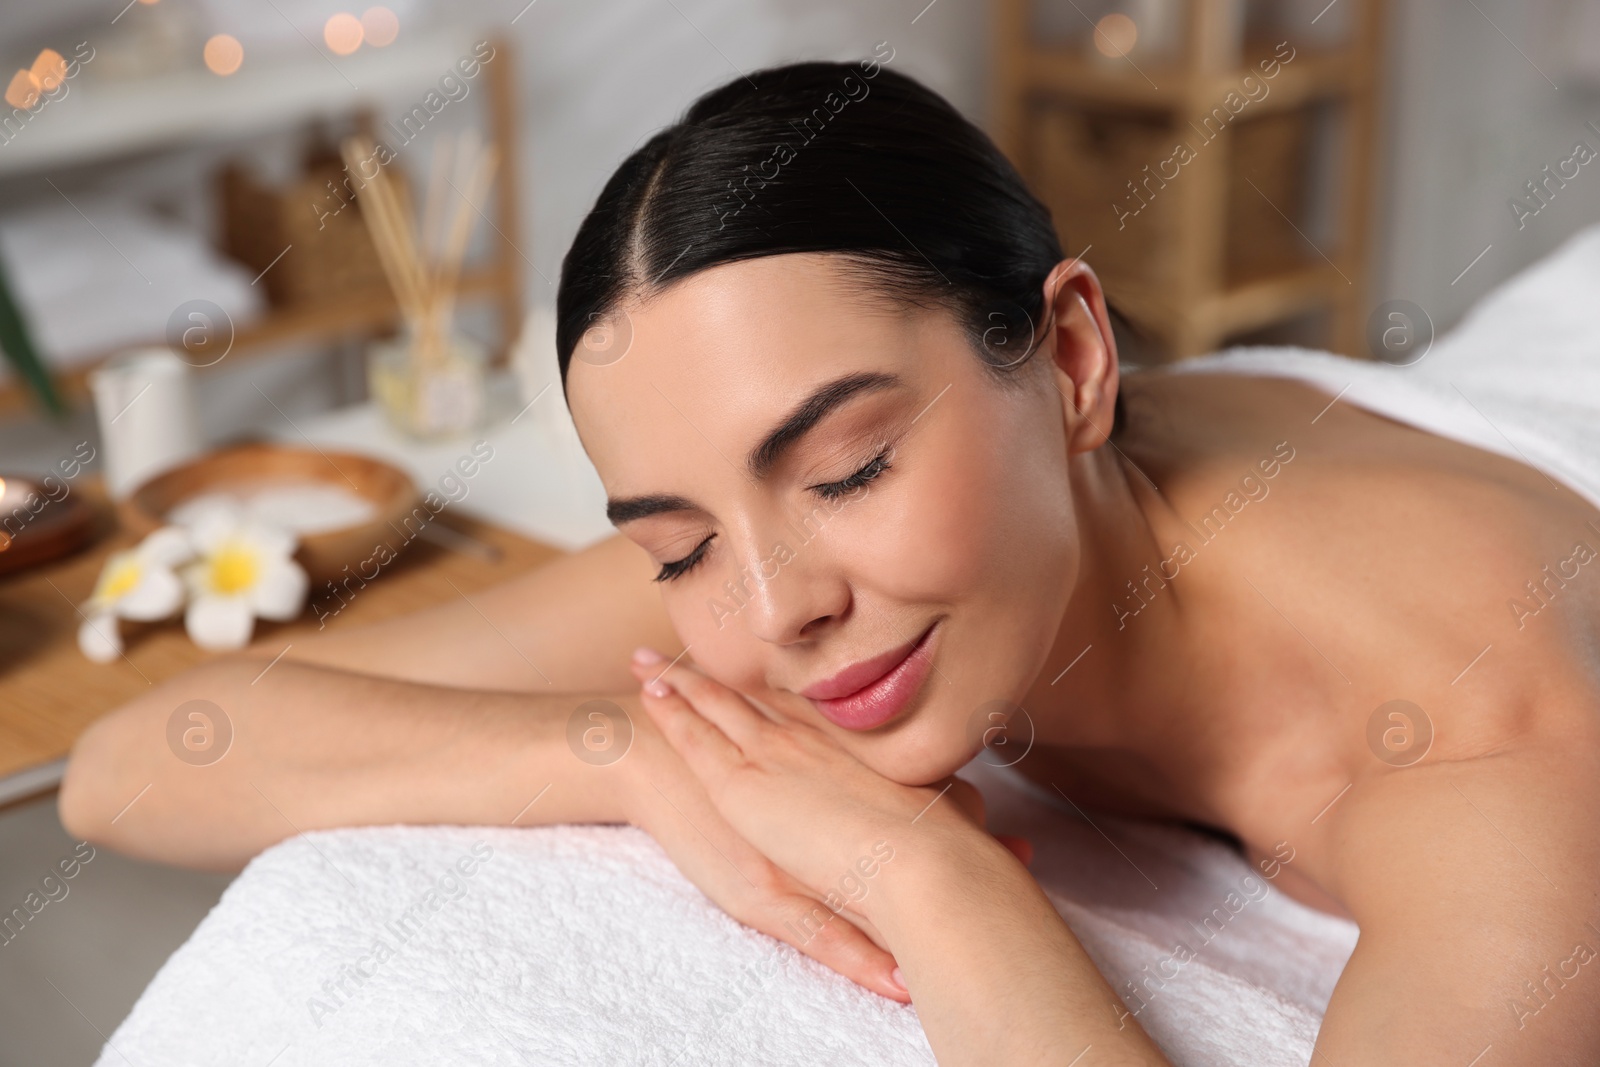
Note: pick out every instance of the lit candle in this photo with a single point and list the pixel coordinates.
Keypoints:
(20, 500)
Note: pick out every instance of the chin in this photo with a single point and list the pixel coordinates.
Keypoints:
(920, 752)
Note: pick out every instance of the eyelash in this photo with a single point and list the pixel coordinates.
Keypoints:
(679, 567)
(827, 490)
(874, 467)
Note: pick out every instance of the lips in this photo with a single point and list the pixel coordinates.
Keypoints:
(870, 693)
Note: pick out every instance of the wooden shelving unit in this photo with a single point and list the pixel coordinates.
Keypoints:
(1177, 283)
(104, 122)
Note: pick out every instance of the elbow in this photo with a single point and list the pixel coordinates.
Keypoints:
(81, 803)
(122, 753)
(74, 816)
(127, 752)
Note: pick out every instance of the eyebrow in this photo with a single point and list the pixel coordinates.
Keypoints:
(810, 411)
(633, 508)
(805, 415)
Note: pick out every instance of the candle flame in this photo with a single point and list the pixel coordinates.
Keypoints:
(1115, 35)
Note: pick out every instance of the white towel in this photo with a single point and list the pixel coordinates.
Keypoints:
(1519, 376)
(83, 299)
(584, 945)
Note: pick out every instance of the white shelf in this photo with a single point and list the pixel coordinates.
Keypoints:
(99, 119)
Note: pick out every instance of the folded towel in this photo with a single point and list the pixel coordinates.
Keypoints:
(83, 299)
(584, 945)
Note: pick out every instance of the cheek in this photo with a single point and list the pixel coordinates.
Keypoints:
(974, 513)
(708, 620)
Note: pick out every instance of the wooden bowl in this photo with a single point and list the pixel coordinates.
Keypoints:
(324, 555)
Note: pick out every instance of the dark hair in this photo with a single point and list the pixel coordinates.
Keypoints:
(848, 158)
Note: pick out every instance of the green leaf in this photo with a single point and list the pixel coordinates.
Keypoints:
(19, 350)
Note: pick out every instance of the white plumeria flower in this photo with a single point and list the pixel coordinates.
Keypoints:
(245, 571)
(137, 584)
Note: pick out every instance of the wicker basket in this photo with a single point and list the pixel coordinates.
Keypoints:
(1272, 152)
(329, 253)
(1081, 163)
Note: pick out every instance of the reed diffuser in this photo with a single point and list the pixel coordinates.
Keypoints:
(429, 381)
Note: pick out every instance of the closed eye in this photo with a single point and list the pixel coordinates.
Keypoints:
(872, 469)
(869, 471)
(679, 567)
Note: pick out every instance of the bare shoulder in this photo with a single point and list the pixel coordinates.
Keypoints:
(1419, 539)
(1412, 567)
(1476, 884)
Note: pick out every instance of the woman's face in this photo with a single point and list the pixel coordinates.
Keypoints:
(857, 525)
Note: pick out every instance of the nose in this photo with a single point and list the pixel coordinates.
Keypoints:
(793, 591)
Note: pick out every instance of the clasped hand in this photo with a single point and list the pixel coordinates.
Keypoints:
(824, 820)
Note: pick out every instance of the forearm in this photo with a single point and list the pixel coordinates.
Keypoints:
(313, 748)
(996, 975)
(569, 626)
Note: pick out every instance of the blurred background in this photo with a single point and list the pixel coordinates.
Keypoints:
(190, 258)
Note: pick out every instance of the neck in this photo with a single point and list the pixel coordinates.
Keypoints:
(1122, 662)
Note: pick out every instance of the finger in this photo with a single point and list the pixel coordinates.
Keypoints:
(704, 747)
(731, 873)
(733, 714)
(815, 930)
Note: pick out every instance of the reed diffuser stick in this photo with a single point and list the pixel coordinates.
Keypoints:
(424, 271)
(455, 249)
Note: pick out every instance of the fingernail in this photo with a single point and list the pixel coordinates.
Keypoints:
(658, 688)
(647, 655)
(898, 980)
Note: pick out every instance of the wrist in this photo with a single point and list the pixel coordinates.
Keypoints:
(933, 858)
(583, 748)
(633, 779)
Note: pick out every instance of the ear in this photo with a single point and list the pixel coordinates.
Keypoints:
(1083, 353)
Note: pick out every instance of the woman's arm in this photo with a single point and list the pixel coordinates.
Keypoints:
(313, 748)
(324, 748)
(456, 714)
(995, 972)
(1476, 884)
(567, 626)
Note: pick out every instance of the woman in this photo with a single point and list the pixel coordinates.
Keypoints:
(863, 423)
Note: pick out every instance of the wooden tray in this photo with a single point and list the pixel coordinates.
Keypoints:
(49, 692)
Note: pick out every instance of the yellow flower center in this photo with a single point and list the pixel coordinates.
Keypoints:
(233, 569)
(119, 579)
